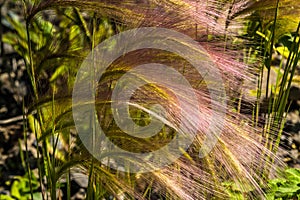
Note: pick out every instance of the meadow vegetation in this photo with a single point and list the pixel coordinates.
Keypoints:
(53, 37)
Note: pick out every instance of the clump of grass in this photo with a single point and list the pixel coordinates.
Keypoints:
(58, 46)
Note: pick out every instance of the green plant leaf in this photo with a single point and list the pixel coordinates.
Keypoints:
(58, 72)
(15, 189)
(293, 174)
(34, 125)
(283, 51)
(288, 189)
(6, 197)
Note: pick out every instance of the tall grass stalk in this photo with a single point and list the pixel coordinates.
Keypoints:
(27, 165)
(31, 73)
(278, 104)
